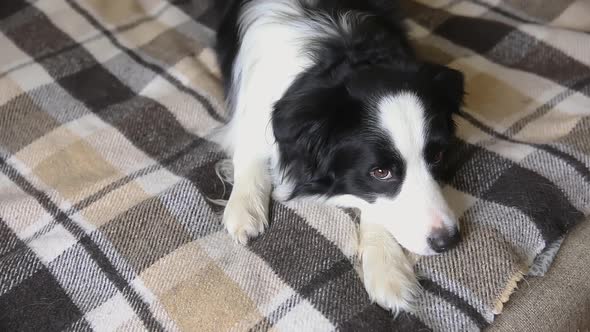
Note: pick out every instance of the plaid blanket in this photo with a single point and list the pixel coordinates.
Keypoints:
(105, 173)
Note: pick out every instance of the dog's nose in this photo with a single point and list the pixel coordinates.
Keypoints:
(443, 239)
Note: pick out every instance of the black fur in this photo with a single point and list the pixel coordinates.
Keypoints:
(228, 41)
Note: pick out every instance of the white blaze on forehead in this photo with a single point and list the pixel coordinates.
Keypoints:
(403, 117)
(419, 206)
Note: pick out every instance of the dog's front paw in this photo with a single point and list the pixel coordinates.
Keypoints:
(388, 275)
(391, 287)
(245, 217)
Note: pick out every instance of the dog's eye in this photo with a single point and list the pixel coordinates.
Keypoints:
(438, 156)
(381, 174)
(435, 154)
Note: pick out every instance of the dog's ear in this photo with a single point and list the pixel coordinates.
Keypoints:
(313, 113)
(446, 83)
(308, 121)
(302, 138)
(298, 122)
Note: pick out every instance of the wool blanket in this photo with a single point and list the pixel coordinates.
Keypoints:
(107, 177)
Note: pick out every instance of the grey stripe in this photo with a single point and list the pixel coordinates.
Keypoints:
(134, 299)
(271, 319)
(545, 108)
(207, 105)
(118, 184)
(118, 29)
(576, 164)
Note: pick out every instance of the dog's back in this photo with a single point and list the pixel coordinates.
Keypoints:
(329, 14)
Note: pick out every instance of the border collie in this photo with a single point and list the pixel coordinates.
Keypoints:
(329, 102)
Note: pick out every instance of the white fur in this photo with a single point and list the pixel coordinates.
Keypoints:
(269, 59)
(274, 40)
(387, 274)
(419, 207)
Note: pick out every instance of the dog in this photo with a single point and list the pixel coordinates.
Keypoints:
(329, 102)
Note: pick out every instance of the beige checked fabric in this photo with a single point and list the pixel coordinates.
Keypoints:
(106, 174)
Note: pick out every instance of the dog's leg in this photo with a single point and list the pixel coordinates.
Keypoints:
(246, 212)
(249, 140)
(387, 274)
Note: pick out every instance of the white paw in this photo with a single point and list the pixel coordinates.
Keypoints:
(391, 287)
(387, 273)
(245, 216)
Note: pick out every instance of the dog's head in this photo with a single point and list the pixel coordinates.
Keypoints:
(375, 137)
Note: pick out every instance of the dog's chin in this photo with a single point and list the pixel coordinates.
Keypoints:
(429, 252)
(419, 251)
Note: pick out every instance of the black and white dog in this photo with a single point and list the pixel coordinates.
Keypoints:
(330, 103)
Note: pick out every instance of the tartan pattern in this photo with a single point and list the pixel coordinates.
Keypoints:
(105, 172)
